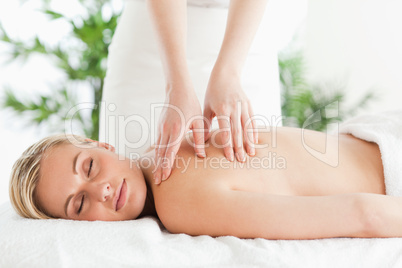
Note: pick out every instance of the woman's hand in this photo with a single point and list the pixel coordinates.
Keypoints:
(226, 100)
(181, 113)
(224, 92)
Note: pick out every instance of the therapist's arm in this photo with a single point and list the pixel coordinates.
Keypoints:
(224, 93)
(182, 111)
(243, 21)
(169, 18)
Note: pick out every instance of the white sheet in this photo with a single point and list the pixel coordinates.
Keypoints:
(144, 243)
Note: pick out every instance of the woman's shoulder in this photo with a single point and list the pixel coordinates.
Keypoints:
(180, 205)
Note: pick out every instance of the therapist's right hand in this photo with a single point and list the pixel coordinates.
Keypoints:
(181, 105)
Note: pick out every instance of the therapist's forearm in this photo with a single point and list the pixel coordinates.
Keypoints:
(169, 18)
(244, 17)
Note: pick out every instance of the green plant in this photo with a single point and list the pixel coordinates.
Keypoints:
(81, 59)
(302, 101)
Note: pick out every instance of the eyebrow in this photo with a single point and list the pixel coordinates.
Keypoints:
(75, 164)
(67, 202)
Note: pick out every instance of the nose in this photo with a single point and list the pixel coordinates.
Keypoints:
(101, 192)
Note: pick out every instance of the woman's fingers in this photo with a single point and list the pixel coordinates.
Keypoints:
(226, 135)
(160, 152)
(198, 135)
(207, 120)
(254, 123)
(181, 106)
(237, 133)
(169, 144)
(248, 132)
(156, 157)
(171, 151)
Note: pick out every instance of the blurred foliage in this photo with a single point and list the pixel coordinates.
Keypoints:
(312, 106)
(81, 58)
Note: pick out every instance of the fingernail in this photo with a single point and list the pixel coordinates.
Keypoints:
(252, 151)
(202, 155)
(231, 157)
(241, 156)
(164, 177)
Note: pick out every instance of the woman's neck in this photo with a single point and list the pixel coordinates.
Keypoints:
(149, 206)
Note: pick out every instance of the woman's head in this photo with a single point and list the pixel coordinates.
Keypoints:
(66, 176)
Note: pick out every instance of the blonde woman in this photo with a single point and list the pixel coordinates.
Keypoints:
(283, 192)
(169, 59)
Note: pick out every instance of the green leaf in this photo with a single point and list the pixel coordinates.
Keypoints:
(300, 99)
(54, 15)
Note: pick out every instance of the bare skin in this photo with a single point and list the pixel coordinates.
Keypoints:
(292, 170)
(298, 197)
(190, 199)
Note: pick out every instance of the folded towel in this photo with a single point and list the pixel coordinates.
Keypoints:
(385, 129)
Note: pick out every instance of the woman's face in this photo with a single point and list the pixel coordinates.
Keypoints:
(90, 184)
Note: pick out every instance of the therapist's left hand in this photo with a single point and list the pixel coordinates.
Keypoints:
(226, 100)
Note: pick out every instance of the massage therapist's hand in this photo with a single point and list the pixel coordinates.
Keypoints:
(224, 89)
(181, 113)
(226, 100)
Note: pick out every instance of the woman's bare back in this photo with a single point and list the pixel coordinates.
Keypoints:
(291, 163)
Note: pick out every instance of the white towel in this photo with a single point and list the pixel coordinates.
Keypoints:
(385, 129)
(145, 243)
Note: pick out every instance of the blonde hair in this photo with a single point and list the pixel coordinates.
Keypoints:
(26, 172)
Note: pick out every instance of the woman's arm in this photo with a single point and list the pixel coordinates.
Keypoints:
(225, 98)
(244, 17)
(252, 215)
(170, 22)
(182, 110)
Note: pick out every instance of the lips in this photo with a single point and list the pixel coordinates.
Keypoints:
(120, 198)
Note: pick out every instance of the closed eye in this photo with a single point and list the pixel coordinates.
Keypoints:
(90, 167)
(82, 204)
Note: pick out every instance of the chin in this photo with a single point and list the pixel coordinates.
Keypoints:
(136, 197)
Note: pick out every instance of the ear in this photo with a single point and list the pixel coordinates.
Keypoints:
(105, 145)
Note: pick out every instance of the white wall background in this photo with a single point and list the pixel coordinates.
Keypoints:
(357, 41)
